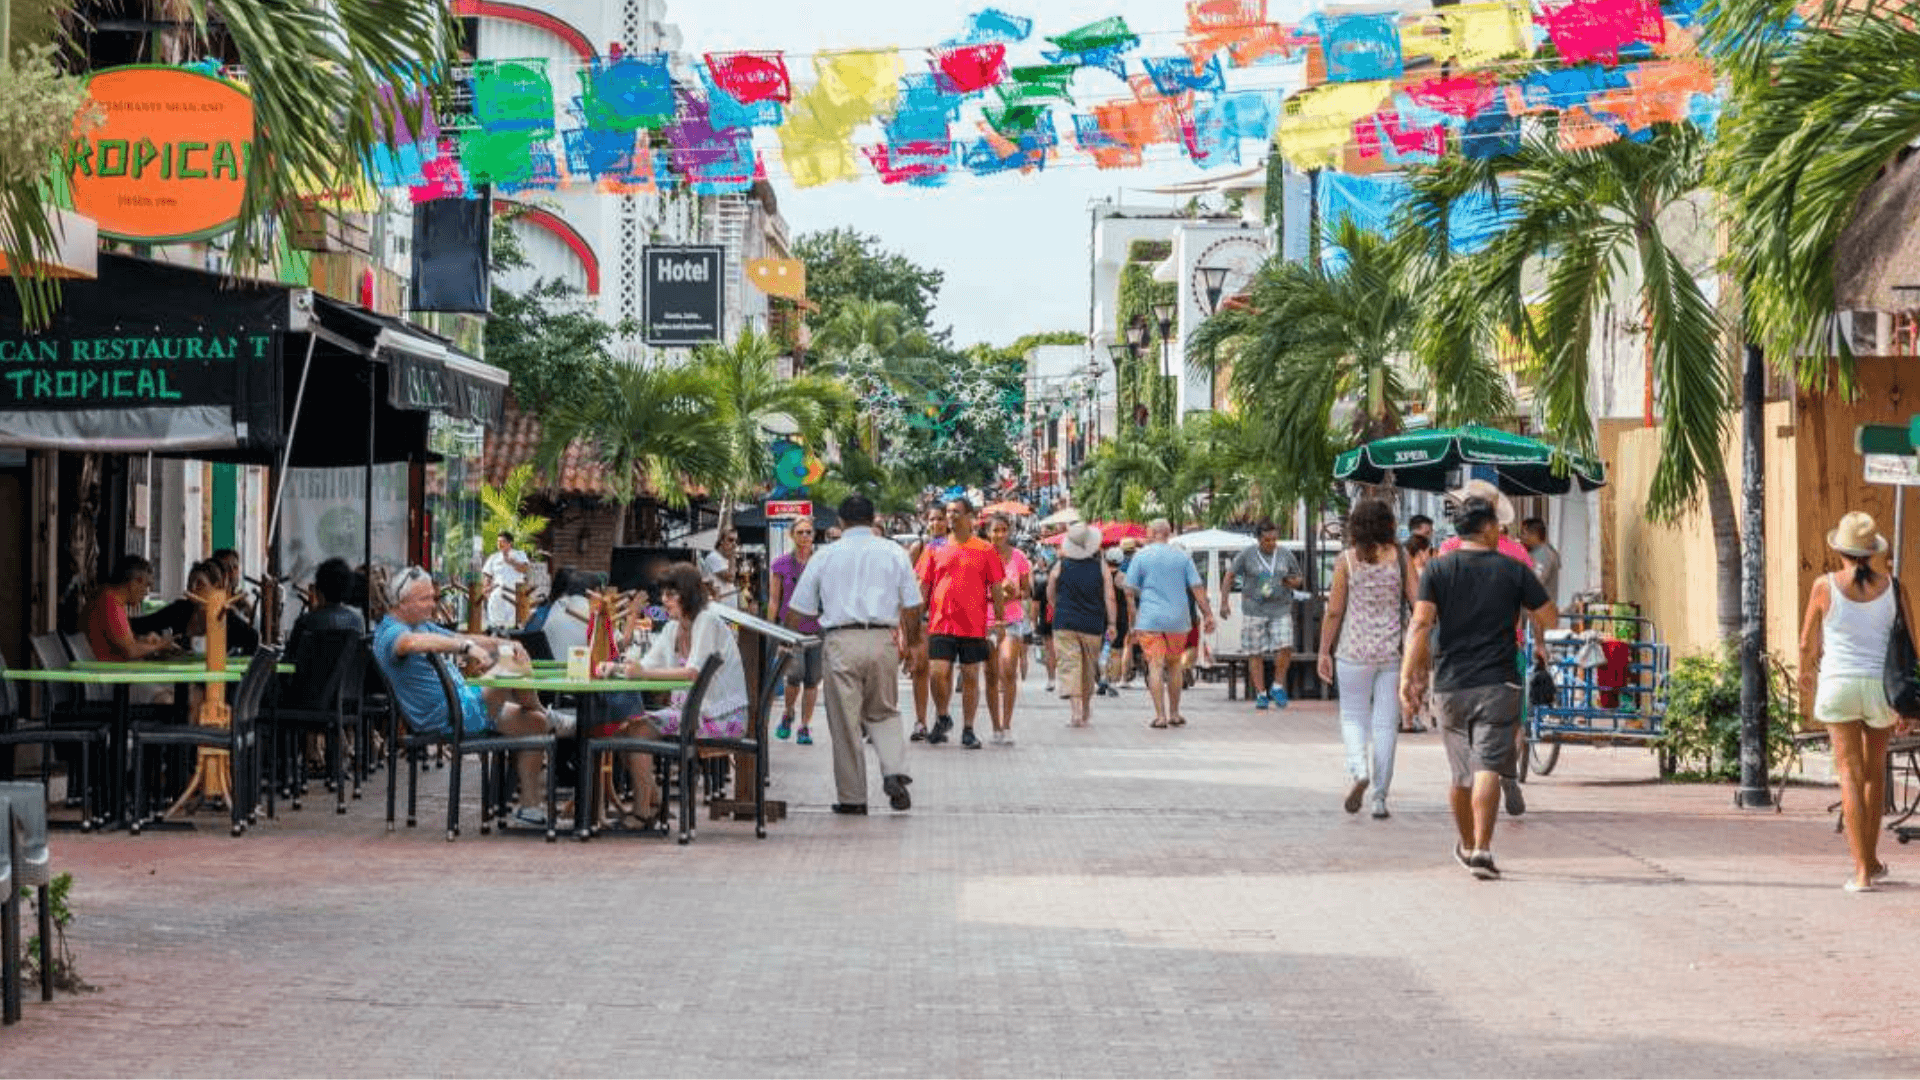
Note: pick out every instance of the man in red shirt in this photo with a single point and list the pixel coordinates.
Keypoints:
(962, 580)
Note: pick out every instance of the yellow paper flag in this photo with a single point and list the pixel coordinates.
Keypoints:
(779, 277)
(1317, 124)
(1483, 33)
(855, 85)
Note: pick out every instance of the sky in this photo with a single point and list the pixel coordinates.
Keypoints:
(1014, 248)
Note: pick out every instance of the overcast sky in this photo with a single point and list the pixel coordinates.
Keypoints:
(1014, 248)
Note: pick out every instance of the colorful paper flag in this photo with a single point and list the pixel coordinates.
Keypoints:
(1177, 74)
(1361, 48)
(627, 94)
(993, 26)
(1584, 30)
(969, 69)
(751, 77)
(1107, 34)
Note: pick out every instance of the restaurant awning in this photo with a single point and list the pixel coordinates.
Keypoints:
(167, 359)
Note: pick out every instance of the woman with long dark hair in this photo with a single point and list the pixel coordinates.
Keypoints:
(1360, 642)
(1843, 653)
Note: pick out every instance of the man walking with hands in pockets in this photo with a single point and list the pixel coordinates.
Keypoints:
(863, 590)
(1470, 599)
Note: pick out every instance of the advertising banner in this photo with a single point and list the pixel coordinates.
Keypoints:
(686, 288)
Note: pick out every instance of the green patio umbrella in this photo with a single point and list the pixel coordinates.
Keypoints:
(1441, 458)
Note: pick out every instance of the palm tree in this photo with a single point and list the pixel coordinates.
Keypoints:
(1307, 340)
(1812, 118)
(753, 401)
(1590, 224)
(323, 79)
(655, 428)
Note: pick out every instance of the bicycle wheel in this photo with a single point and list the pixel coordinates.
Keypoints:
(1544, 755)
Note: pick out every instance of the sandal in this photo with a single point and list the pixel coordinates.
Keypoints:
(1158, 722)
(1176, 720)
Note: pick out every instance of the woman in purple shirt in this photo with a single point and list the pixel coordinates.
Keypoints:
(784, 574)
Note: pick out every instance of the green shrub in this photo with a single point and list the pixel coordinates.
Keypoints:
(1701, 732)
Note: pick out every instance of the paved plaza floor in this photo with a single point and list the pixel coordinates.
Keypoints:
(1112, 900)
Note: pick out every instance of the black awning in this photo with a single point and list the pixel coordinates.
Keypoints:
(147, 356)
(152, 357)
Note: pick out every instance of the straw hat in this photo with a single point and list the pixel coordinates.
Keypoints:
(1856, 536)
(1082, 542)
(1481, 489)
(1130, 545)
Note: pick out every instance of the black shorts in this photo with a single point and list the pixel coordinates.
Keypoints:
(967, 650)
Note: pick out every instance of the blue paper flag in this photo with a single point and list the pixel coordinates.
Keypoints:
(1361, 48)
(993, 26)
(728, 111)
(1175, 75)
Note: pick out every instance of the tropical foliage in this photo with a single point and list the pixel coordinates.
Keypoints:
(1591, 224)
(753, 401)
(328, 81)
(500, 509)
(1813, 116)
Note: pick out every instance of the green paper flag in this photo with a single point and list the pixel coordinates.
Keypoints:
(1037, 83)
(1108, 33)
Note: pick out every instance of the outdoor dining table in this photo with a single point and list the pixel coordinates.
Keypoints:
(121, 676)
(592, 700)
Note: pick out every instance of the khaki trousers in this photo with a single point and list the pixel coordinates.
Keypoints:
(862, 688)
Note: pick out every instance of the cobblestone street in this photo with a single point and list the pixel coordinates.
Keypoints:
(1107, 901)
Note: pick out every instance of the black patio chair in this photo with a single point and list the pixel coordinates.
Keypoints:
(754, 742)
(239, 739)
(56, 727)
(492, 749)
(321, 696)
(675, 752)
(23, 823)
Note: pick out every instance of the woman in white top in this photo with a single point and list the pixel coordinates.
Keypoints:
(681, 645)
(1843, 652)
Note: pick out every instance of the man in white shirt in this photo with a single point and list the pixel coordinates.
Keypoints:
(720, 571)
(863, 590)
(500, 578)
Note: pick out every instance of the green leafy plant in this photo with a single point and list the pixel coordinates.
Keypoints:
(66, 976)
(1701, 731)
(500, 507)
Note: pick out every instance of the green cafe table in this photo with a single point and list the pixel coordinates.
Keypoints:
(592, 694)
(121, 677)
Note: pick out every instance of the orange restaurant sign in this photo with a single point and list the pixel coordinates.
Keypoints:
(170, 162)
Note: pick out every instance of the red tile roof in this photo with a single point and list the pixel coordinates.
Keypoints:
(514, 442)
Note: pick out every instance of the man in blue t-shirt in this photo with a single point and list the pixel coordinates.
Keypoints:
(400, 645)
(1161, 579)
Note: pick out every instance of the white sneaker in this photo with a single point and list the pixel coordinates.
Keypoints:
(1049, 686)
(997, 738)
(1006, 738)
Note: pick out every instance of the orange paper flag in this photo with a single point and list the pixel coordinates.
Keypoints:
(779, 277)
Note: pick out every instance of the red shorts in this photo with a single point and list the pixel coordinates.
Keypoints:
(1157, 646)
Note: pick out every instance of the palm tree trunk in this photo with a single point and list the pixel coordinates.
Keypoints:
(1726, 551)
(620, 523)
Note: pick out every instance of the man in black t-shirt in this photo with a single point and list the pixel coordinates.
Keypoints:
(1463, 624)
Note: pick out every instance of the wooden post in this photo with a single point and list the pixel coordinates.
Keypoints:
(213, 772)
(522, 604)
(603, 608)
(476, 607)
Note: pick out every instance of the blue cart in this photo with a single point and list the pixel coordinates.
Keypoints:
(1600, 704)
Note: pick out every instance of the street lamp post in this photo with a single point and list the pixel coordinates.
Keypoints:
(1163, 318)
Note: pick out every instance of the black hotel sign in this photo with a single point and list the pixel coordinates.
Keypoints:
(686, 288)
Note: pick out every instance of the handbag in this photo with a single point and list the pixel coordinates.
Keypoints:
(1899, 678)
(1542, 691)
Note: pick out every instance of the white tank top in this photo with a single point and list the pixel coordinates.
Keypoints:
(1853, 638)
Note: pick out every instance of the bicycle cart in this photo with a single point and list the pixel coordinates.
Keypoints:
(1611, 674)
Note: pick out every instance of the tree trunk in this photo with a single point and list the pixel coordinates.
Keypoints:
(620, 523)
(1726, 551)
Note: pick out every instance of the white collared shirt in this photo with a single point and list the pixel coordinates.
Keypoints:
(860, 578)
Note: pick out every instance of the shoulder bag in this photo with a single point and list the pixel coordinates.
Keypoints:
(1900, 678)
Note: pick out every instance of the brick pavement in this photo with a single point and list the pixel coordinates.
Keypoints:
(1108, 901)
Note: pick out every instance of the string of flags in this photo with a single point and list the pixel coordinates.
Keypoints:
(1371, 92)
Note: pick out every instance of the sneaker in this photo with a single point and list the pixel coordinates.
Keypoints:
(533, 817)
(919, 733)
(1049, 686)
(1881, 873)
(1463, 857)
(1380, 808)
(969, 740)
(805, 738)
(1355, 795)
(786, 727)
(1006, 738)
(1516, 799)
(896, 789)
(941, 725)
(1260, 702)
(1278, 697)
(998, 737)
(1481, 863)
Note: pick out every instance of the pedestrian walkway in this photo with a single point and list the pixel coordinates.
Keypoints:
(1104, 901)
